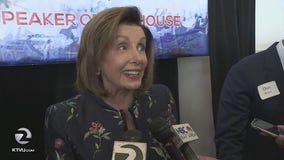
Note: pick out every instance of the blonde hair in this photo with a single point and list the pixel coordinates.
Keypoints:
(97, 35)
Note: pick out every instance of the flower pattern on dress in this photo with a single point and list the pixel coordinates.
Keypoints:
(116, 116)
(134, 108)
(73, 106)
(160, 152)
(169, 106)
(150, 99)
(97, 136)
(97, 131)
(58, 144)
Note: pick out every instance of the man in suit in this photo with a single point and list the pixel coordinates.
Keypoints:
(253, 88)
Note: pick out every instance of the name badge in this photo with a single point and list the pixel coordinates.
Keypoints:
(268, 90)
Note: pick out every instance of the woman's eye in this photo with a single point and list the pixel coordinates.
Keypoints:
(141, 47)
(122, 47)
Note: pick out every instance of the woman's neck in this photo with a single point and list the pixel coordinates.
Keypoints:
(122, 103)
(119, 101)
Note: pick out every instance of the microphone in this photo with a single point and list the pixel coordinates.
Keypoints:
(131, 148)
(174, 137)
(183, 135)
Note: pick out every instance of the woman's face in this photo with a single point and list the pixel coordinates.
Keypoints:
(123, 64)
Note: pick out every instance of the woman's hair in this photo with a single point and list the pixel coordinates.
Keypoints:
(97, 36)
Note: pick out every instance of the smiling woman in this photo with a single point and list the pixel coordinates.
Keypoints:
(115, 91)
(115, 94)
(123, 64)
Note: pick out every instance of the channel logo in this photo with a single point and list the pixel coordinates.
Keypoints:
(23, 136)
(123, 150)
(183, 133)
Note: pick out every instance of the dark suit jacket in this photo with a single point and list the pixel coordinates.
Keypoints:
(240, 103)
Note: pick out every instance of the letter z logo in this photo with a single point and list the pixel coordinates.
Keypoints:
(123, 150)
(23, 136)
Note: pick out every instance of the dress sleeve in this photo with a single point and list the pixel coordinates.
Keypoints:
(57, 146)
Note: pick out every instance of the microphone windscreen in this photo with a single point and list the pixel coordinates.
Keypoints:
(133, 135)
(160, 126)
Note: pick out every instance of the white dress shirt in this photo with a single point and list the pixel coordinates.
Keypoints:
(280, 50)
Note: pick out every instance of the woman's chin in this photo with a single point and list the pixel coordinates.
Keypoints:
(134, 86)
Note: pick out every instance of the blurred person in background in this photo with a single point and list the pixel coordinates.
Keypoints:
(253, 88)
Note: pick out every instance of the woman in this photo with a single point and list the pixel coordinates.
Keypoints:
(114, 80)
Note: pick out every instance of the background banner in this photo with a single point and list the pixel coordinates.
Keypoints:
(269, 23)
(48, 31)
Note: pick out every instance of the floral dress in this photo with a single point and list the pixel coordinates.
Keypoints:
(85, 128)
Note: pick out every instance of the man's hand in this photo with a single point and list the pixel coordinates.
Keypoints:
(280, 139)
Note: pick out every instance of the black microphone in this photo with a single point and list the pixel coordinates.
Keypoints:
(131, 147)
(174, 137)
(133, 135)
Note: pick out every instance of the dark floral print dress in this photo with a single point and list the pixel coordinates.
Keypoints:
(85, 128)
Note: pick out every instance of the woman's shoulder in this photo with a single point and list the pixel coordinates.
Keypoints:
(159, 88)
(70, 103)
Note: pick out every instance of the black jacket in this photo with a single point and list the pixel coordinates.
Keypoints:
(240, 102)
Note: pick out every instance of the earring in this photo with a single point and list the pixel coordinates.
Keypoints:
(98, 73)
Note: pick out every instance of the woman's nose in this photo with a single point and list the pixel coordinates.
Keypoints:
(137, 54)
